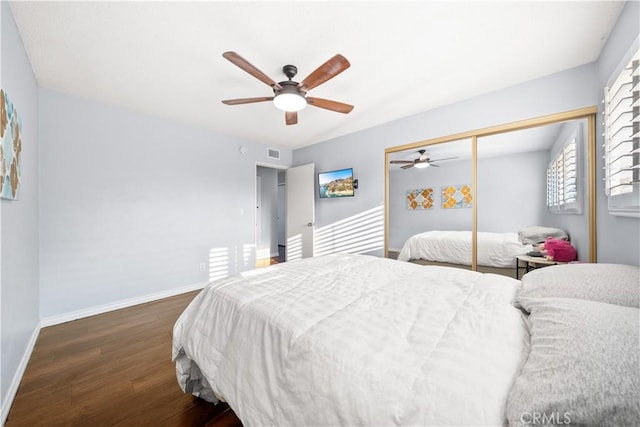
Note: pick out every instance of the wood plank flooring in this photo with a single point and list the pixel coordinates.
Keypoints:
(112, 369)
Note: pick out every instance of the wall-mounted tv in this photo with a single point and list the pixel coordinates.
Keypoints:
(337, 183)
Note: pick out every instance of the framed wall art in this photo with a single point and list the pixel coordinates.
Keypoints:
(419, 199)
(456, 196)
(10, 148)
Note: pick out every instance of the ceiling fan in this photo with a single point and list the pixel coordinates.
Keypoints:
(420, 162)
(291, 96)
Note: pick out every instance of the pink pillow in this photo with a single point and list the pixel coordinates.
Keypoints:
(560, 250)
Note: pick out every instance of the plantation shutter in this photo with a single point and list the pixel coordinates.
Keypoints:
(622, 137)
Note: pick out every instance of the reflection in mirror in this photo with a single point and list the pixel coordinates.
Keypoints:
(429, 204)
(528, 179)
(537, 172)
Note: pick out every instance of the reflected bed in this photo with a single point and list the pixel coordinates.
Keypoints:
(495, 250)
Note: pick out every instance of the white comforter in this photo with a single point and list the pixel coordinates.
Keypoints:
(354, 340)
(494, 249)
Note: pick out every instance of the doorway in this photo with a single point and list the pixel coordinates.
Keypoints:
(270, 215)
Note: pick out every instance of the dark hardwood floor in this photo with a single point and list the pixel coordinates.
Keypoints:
(112, 369)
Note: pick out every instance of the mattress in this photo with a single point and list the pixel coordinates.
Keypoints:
(354, 340)
(494, 249)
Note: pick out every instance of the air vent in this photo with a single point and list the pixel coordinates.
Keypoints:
(272, 153)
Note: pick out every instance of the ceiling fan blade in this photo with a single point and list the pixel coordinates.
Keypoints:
(401, 162)
(247, 100)
(439, 160)
(407, 166)
(291, 117)
(330, 105)
(434, 166)
(326, 71)
(242, 63)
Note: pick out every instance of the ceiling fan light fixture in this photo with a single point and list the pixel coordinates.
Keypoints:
(291, 96)
(290, 101)
(421, 165)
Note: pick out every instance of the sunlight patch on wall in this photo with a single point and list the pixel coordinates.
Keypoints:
(294, 247)
(247, 252)
(356, 234)
(218, 263)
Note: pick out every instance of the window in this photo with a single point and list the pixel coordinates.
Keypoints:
(622, 139)
(562, 180)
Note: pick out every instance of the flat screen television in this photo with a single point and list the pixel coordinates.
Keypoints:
(338, 183)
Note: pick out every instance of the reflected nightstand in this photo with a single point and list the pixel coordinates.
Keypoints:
(529, 263)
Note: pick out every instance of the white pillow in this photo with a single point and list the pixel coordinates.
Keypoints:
(538, 234)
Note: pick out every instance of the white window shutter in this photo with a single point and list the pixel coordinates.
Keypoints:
(622, 139)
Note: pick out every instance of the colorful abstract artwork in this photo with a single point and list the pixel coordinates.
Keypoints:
(10, 148)
(456, 196)
(421, 198)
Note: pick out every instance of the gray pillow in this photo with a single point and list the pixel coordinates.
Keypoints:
(538, 234)
(610, 283)
(582, 367)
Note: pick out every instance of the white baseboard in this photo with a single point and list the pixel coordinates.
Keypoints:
(7, 400)
(92, 311)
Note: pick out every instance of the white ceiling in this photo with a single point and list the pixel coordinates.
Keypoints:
(165, 58)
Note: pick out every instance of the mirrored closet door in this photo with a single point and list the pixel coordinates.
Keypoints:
(490, 187)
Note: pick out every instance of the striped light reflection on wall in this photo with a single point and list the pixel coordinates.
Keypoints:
(218, 263)
(360, 233)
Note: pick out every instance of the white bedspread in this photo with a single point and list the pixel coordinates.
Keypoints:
(494, 249)
(355, 340)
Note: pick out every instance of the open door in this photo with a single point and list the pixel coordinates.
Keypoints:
(300, 182)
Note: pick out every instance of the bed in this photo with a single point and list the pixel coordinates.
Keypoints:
(360, 340)
(498, 250)
(354, 340)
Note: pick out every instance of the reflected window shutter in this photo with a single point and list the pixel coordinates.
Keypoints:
(562, 179)
(550, 185)
(569, 173)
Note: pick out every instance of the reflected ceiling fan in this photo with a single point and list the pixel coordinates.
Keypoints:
(420, 162)
(290, 96)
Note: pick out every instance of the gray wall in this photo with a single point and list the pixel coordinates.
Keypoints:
(132, 204)
(19, 241)
(523, 177)
(618, 237)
